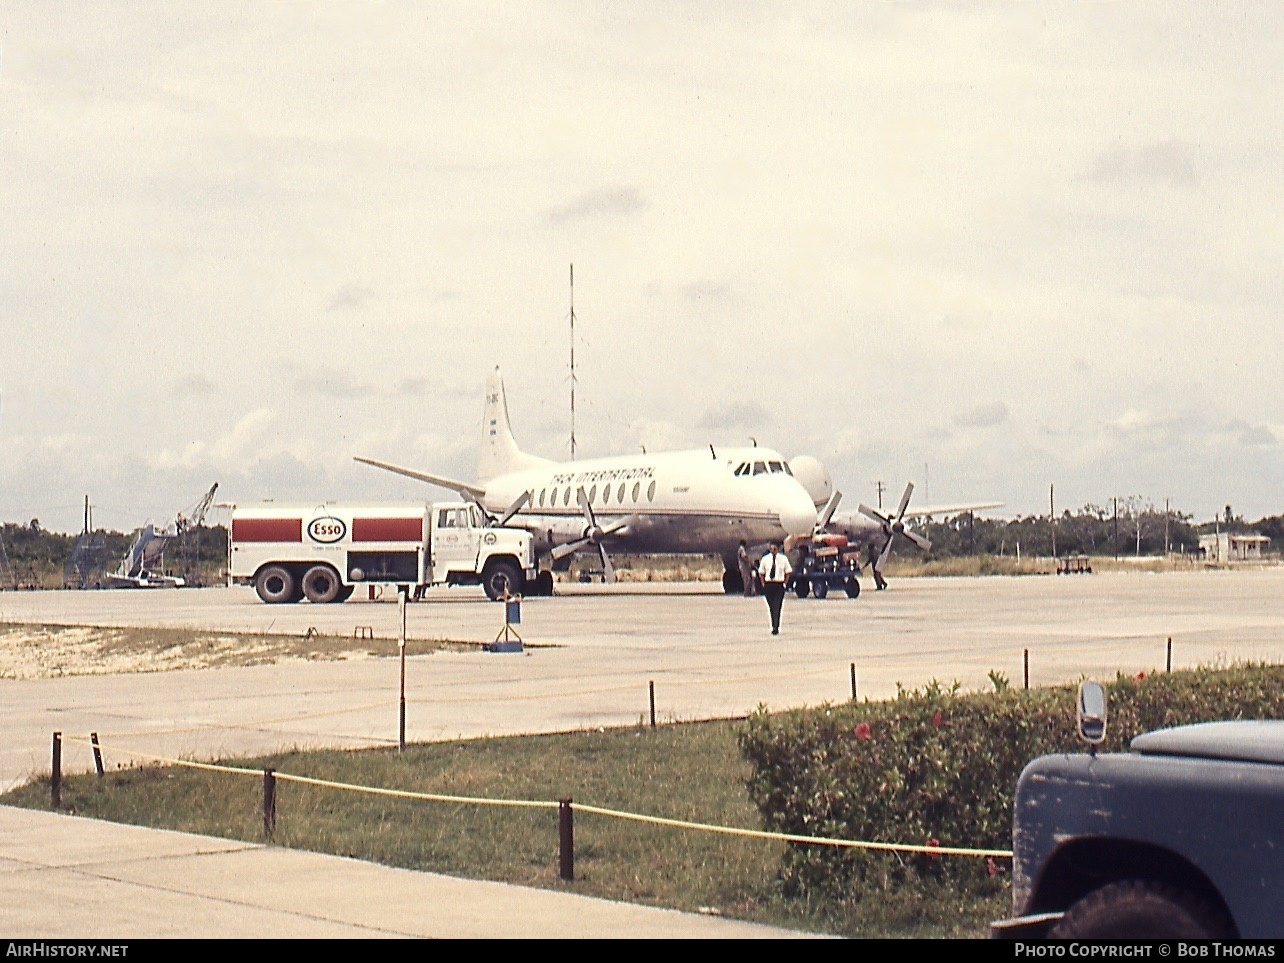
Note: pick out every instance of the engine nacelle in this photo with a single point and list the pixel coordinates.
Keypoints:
(813, 476)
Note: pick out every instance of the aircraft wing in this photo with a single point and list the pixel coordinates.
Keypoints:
(950, 509)
(471, 492)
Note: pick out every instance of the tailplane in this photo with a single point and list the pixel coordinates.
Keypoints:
(499, 453)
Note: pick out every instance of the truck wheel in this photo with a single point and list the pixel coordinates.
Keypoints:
(801, 587)
(820, 588)
(500, 579)
(275, 585)
(853, 587)
(1138, 909)
(321, 584)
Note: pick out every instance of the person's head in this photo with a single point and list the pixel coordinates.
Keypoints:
(775, 548)
(742, 543)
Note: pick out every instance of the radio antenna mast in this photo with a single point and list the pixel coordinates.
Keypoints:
(572, 362)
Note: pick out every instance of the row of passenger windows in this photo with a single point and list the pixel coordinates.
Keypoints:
(762, 468)
(550, 497)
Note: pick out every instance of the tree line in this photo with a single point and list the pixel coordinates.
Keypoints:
(35, 557)
(1125, 527)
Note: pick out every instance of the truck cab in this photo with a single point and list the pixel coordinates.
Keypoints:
(1180, 837)
(465, 550)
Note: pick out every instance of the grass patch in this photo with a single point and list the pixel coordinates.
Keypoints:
(692, 772)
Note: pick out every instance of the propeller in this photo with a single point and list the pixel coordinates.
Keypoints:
(593, 535)
(827, 512)
(895, 526)
(512, 510)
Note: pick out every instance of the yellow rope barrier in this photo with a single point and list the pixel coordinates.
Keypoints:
(793, 838)
(930, 850)
(212, 767)
(408, 794)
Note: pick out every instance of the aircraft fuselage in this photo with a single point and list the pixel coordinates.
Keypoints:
(671, 502)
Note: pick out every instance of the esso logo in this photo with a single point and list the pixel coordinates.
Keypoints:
(327, 529)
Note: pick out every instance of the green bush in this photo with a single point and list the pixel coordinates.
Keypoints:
(935, 764)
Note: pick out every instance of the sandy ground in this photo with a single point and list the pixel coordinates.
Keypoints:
(49, 651)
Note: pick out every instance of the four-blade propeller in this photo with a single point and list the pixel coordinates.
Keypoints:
(593, 535)
(895, 526)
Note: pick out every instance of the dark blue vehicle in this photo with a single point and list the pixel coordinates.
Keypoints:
(1181, 837)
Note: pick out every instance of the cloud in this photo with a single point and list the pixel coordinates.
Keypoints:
(1168, 160)
(194, 385)
(983, 416)
(699, 290)
(1257, 436)
(351, 296)
(608, 202)
(735, 417)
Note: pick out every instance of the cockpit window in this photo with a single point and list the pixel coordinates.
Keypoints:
(759, 468)
(741, 469)
(788, 470)
(776, 467)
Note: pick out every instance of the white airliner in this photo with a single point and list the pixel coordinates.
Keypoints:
(704, 501)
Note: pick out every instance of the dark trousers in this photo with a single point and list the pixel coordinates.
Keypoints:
(775, 592)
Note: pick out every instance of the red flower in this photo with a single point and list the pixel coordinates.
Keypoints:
(937, 719)
(1140, 677)
(862, 731)
(933, 843)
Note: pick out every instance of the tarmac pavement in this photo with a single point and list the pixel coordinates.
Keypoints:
(63, 877)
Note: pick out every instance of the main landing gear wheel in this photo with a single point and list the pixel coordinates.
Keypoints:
(321, 585)
(1138, 909)
(501, 579)
(732, 583)
(276, 585)
(543, 584)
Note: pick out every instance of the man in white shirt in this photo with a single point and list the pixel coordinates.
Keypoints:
(773, 572)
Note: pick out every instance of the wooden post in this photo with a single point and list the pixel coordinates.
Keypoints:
(853, 682)
(98, 753)
(269, 803)
(401, 645)
(651, 687)
(55, 773)
(566, 840)
(1027, 668)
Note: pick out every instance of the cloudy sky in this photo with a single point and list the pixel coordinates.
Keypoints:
(985, 247)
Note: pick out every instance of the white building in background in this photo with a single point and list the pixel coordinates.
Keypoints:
(1227, 547)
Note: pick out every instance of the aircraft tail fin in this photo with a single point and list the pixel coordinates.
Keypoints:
(499, 453)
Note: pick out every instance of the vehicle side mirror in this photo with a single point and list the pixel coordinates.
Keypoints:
(1092, 712)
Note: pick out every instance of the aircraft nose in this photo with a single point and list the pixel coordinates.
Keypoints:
(797, 513)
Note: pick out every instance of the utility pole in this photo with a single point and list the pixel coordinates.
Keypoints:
(1052, 518)
(1115, 539)
(1165, 527)
(879, 487)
